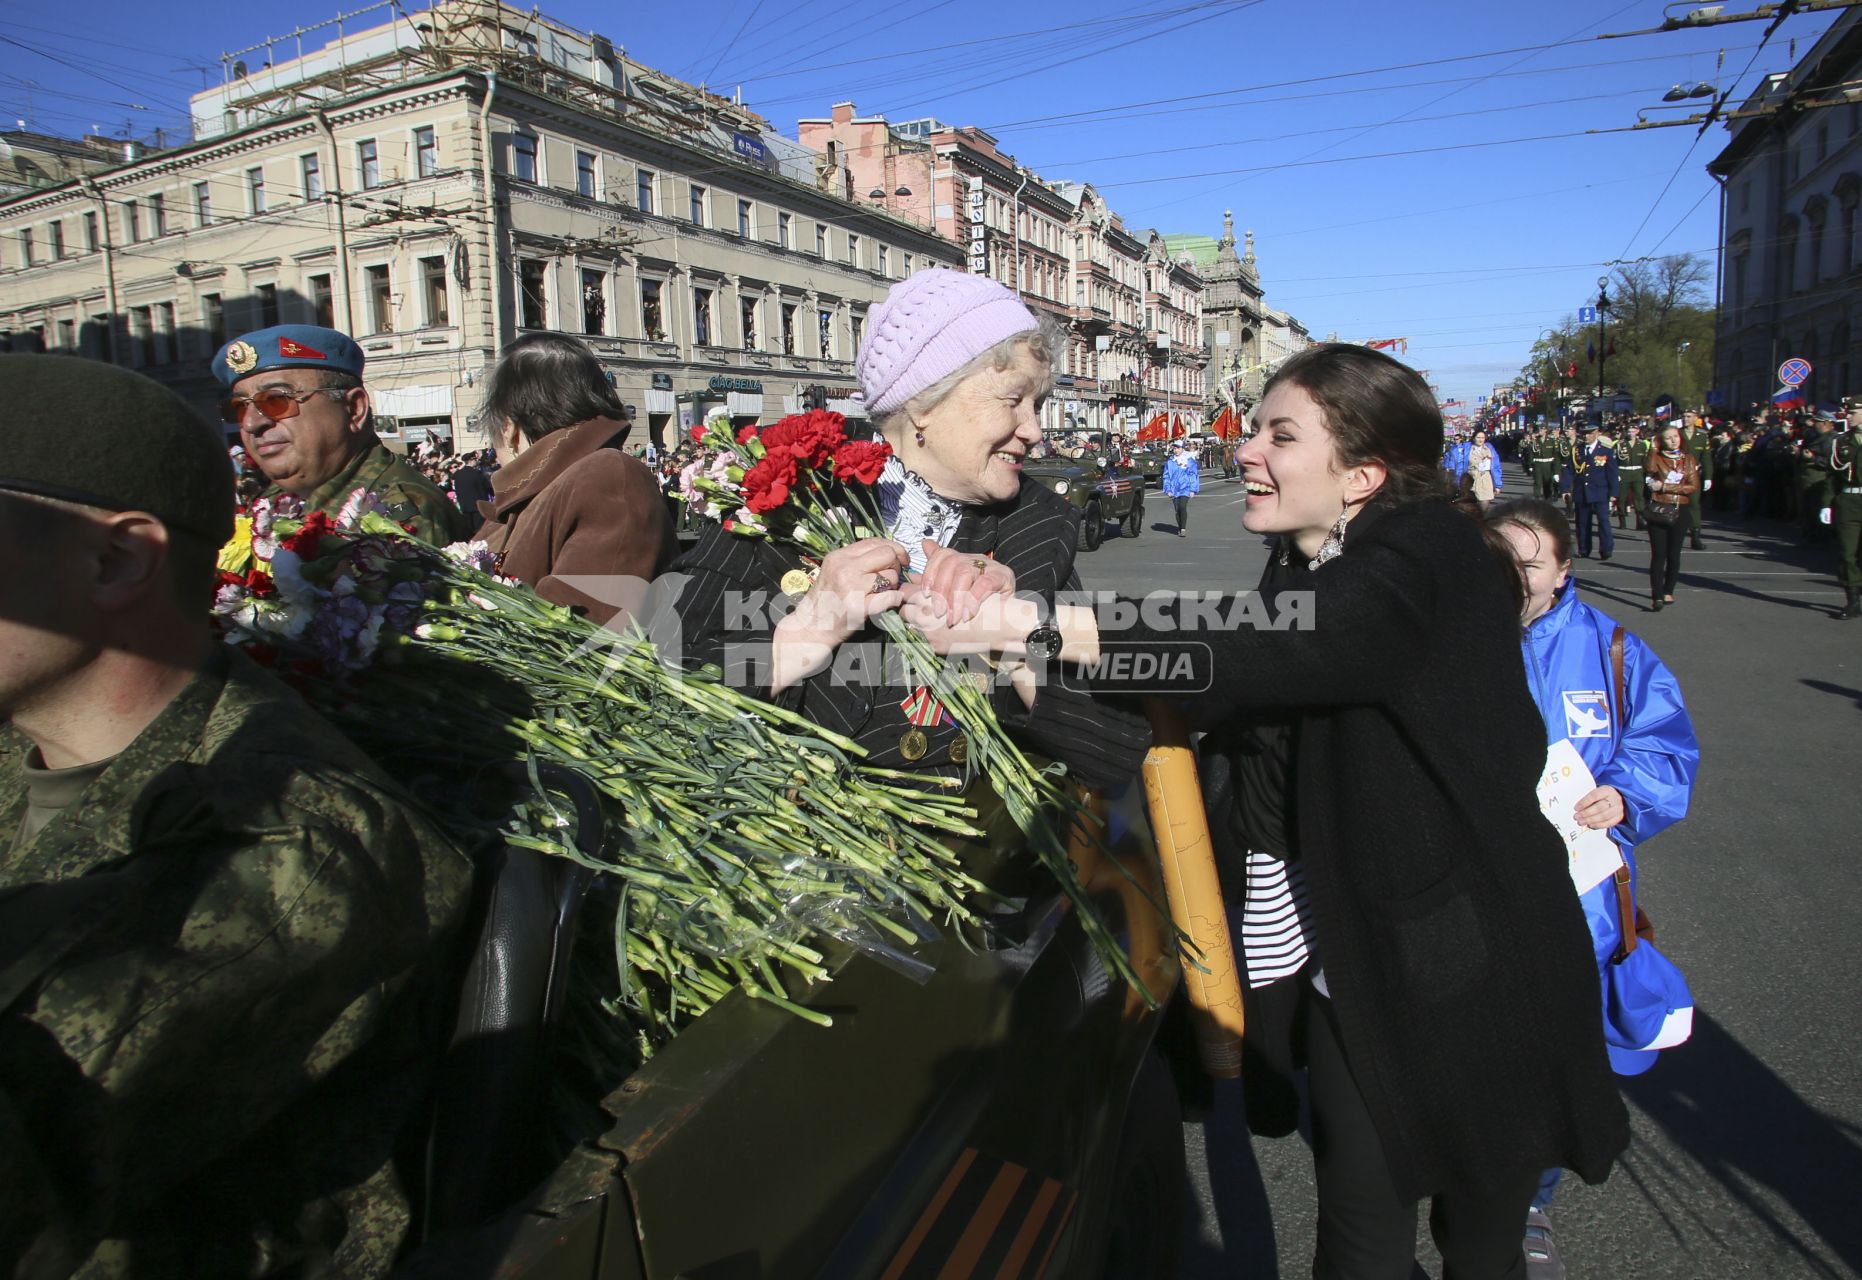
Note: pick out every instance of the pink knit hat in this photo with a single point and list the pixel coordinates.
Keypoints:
(930, 325)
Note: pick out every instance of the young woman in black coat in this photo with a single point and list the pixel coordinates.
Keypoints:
(1432, 974)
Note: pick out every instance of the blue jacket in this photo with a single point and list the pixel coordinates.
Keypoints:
(1455, 459)
(1182, 476)
(1597, 483)
(1493, 463)
(1652, 761)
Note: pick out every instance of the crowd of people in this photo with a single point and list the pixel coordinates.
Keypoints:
(190, 844)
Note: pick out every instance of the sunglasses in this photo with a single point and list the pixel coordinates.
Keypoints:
(276, 405)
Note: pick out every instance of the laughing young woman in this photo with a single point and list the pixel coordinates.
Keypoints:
(1433, 979)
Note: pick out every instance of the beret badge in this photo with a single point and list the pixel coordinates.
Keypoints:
(241, 357)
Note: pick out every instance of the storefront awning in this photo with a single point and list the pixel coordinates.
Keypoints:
(412, 402)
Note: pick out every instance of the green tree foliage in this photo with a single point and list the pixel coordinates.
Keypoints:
(1660, 321)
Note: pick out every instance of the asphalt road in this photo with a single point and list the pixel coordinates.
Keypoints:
(1747, 1154)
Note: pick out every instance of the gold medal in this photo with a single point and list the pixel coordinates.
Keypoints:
(796, 582)
(960, 751)
(914, 744)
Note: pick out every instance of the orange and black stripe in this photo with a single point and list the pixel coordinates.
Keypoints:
(989, 1219)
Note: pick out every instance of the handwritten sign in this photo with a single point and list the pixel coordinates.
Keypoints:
(1567, 780)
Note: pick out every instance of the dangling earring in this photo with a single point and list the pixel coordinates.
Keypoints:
(1334, 544)
(919, 434)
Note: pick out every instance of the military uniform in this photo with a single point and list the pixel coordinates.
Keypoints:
(1695, 440)
(205, 1064)
(409, 497)
(1631, 466)
(1590, 479)
(1545, 460)
(1841, 456)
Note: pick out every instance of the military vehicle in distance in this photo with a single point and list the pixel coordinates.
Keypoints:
(1100, 488)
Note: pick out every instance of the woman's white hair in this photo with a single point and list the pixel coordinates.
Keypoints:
(1048, 342)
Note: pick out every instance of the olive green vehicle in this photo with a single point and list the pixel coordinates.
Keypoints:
(989, 1105)
(1101, 489)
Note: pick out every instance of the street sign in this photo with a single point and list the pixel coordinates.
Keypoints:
(1794, 372)
(1587, 315)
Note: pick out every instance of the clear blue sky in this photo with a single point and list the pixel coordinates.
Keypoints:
(1175, 109)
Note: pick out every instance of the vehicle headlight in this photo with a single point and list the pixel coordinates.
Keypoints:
(1061, 487)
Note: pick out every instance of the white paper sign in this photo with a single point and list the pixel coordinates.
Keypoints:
(1567, 780)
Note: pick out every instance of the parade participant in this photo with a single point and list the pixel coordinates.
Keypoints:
(295, 392)
(223, 934)
(1674, 486)
(1644, 766)
(955, 370)
(1694, 438)
(1445, 1005)
(1182, 480)
(1631, 461)
(574, 516)
(1484, 467)
(1547, 459)
(1842, 462)
(1590, 484)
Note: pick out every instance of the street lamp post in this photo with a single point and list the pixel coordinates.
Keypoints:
(1558, 376)
(1603, 332)
(1680, 349)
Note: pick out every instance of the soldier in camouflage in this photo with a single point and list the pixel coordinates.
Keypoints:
(225, 937)
(296, 395)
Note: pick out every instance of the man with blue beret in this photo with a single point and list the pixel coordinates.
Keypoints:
(295, 392)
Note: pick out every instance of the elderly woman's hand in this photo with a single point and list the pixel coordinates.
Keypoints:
(958, 581)
(855, 584)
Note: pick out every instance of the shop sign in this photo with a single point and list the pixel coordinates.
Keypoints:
(979, 233)
(751, 386)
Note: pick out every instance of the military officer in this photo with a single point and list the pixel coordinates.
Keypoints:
(1590, 483)
(1546, 461)
(1631, 462)
(295, 392)
(224, 935)
(1840, 455)
(1694, 440)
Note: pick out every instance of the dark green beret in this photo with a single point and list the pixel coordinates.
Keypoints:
(88, 432)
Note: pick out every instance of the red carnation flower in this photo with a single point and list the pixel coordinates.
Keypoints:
(307, 542)
(698, 433)
(768, 484)
(822, 432)
(746, 434)
(861, 461)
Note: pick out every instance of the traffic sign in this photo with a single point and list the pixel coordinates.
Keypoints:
(1794, 372)
(1587, 315)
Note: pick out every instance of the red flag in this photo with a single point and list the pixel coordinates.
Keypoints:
(1572, 372)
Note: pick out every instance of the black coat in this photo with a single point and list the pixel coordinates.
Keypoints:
(1036, 535)
(1442, 912)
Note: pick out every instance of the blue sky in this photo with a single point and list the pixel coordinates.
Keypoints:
(1486, 213)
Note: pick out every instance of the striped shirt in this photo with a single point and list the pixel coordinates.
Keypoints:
(1273, 919)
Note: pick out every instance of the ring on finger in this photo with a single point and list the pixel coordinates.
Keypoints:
(881, 584)
(979, 564)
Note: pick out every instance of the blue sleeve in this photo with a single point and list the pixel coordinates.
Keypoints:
(1657, 755)
(1499, 477)
(1610, 472)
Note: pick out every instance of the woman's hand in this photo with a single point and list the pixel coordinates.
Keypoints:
(1601, 808)
(855, 584)
(1000, 623)
(958, 582)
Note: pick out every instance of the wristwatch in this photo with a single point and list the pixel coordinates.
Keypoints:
(1044, 642)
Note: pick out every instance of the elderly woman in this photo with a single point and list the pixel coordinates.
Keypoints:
(1429, 971)
(955, 370)
(572, 516)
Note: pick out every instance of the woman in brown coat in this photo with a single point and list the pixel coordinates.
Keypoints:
(574, 517)
(1674, 481)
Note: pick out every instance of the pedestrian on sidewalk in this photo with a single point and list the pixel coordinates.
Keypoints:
(1674, 486)
(1182, 481)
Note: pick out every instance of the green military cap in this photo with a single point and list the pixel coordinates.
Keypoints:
(87, 432)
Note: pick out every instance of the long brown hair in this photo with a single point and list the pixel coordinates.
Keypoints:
(1378, 409)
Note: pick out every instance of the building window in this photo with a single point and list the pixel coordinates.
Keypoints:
(67, 335)
(743, 218)
(132, 222)
(644, 182)
(883, 264)
(213, 318)
(164, 333)
(322, 302)
(25, 246)
(141, 322)
(266, 296)
(907, 270)
(203, 205)
(1823, 141)
(532, 302)
(90, 233)
(652, 312)
(585, 174)
(824, 319)
(426, 151)
(748, 318)
(853, 250)
(821, 241)
(783, 223)
(255, 190)
(56, 232)
(311, 166)
(433, 290)
(1848, 255)
(698, 205)
(594, 302)
(701, 317)
(158, 215)
(368, 160)
(788, 328)
(380, 297)
(859, 331)
(524, 156)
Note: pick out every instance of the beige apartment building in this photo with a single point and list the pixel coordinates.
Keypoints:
(437, 185)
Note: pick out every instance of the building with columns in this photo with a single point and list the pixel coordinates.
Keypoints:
(1246, 338)
(443, 182)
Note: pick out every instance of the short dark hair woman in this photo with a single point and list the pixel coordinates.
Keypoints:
(569, 507)
(1432, 971)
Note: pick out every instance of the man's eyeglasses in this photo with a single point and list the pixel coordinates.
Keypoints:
(276, 405)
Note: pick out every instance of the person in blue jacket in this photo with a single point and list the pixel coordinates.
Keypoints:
(1455, 459)
(1182, 479)
(1644, 768)
(1589, 480)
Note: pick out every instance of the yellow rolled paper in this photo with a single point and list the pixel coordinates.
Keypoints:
(1194, 889)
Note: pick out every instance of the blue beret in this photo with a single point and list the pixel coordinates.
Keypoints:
(287, 346)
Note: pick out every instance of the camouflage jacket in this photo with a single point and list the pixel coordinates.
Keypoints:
(410, 497)
(205, 1073)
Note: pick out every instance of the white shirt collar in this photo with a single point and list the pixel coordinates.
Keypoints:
(911, 511)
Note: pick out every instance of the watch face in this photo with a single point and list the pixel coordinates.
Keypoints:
(1044, 642)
